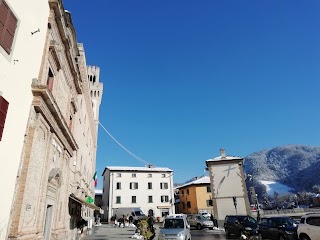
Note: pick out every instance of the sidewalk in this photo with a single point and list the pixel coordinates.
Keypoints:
(108, 232)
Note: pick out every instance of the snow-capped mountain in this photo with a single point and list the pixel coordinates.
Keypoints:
(295, 166)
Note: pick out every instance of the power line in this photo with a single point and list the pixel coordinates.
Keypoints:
(123, 147)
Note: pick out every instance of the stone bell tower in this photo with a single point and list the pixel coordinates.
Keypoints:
(228, 187)
(96, 90)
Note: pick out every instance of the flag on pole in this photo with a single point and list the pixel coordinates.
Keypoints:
(95, 179)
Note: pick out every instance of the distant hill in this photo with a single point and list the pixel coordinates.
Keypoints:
(297, 166)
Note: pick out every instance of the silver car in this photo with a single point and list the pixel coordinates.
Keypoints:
(199, 221)
(175, 227)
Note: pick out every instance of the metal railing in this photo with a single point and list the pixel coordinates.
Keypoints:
(295, 211)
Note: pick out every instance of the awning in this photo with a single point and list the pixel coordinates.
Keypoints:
(161, 207)
(82, 201)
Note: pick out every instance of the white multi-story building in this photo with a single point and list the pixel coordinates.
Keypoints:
(149, 188)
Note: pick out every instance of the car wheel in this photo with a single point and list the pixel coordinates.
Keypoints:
(227, 232)
(304, 237)
(211, 228)
(199, 227)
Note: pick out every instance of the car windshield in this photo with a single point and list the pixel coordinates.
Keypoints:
(138, 213)
(246, 219)
(200, 217)
(173, 223)
(284, 222)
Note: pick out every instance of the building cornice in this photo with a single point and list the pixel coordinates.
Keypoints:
(60, 21)
(45, 104)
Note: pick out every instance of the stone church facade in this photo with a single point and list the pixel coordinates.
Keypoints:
(58, 158)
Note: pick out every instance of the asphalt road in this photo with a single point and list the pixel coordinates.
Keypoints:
(209, 234)
(108, 232)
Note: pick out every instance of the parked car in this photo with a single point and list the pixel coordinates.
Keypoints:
(199, 221)
(282, 228)
(206, 215)
(309, 227)
(236, 224)
(175, 227)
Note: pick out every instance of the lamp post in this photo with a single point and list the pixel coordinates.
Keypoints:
(256, 202)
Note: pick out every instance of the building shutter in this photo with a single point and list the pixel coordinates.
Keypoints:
(4, 9)
(8, 25)
(3, 15)
(3, 113)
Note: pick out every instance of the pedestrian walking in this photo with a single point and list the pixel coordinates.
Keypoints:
(130, 220)
(215, 222)
(150, 221)
(81, 223)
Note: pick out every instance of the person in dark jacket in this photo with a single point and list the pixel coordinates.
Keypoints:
(130, 220)
(81, 223)
(150, 221)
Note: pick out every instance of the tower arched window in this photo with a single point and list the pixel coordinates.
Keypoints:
(98, 93)
(94, 79)
(95, 93)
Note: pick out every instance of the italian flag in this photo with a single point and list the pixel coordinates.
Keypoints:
(95, 179)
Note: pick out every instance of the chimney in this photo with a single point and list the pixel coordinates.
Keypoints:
(223, 152)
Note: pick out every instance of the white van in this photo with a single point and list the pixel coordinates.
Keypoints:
(135, 212)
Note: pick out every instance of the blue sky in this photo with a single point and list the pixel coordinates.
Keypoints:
(184, 78)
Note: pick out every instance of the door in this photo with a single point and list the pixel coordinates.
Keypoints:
(164, 212)
(273, 230)
(47, 223)
(263, 227)
(150, 212)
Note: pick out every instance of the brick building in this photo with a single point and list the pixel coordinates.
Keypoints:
(51, 123)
